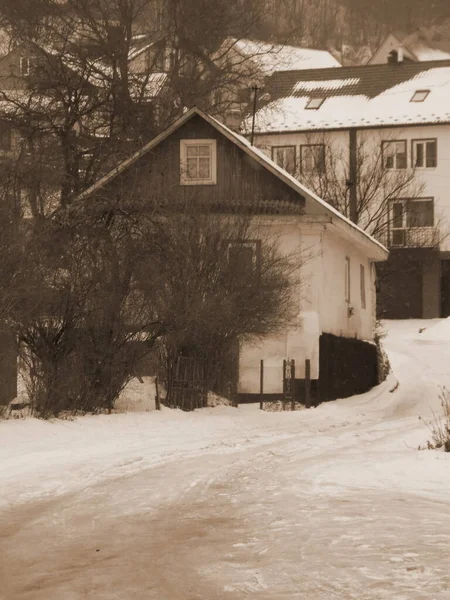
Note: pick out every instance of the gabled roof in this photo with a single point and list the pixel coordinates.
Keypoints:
(361, 96)
(315, 205)
(424, 44)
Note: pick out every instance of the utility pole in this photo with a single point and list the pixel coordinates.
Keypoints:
(255, 90)
(352, 182)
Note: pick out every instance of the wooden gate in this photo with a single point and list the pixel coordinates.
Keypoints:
(187, 386)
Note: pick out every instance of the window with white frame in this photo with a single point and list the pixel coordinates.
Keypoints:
(198, 162)
(312, 158)
(347, 279)
(394, 154)
(26, 65)
(424, 153)
(410, 219)
(284, 156)
(362, 280)
(187, 65)
(243, 256)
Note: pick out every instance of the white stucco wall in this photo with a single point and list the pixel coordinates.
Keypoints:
(322, 305)
(335, 316)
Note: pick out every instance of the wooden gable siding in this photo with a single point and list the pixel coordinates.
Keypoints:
(240, 179)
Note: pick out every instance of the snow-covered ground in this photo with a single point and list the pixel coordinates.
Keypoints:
(328, 503)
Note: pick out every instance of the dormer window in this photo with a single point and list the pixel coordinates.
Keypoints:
(420, 95)
(314, 103)
(198, 162)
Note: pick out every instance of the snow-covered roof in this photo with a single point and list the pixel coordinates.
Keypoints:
(424, 52)
(276, 57)
(363, 96)
(424, 44)
(315, 204)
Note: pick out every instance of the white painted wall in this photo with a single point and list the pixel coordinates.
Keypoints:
(436, 180)
(380, 57)
(322, 306)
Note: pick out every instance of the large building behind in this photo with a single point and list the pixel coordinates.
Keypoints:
(375, 141)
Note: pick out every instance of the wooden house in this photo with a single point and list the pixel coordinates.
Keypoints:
(199, 158)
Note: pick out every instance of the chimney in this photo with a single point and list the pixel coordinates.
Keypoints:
(233, 118)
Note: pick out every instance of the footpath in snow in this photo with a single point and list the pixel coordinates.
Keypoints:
(332, 502)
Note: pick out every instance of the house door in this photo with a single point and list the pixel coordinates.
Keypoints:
(445, 288)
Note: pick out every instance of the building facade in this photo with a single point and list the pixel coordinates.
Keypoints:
(200, 159)
(374, 141)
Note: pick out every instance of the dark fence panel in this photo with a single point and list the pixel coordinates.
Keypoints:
(347, 366)
(400, 283)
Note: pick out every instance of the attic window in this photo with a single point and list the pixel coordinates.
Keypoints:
(420, 95)
(198, 162)
(314, 103)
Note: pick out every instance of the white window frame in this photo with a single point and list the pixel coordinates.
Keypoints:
(362, 277)
(255, 246)
(29, 61)
(347, 279)
(318, 167)
(385, 146)
(282, 150)
(184, 145)
(405, 227)
(423, 142)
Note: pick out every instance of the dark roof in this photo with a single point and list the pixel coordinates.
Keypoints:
(366, 80)
(314, 205)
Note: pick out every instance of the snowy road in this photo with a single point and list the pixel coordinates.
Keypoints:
(330, 503)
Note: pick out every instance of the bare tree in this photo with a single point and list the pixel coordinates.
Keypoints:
(373, 185)
(106, 75)
(89, 293)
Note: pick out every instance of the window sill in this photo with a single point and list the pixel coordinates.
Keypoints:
(198, 182)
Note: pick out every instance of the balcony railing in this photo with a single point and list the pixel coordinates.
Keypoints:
(414, 237)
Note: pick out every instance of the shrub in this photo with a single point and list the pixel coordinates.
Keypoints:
(383, 364)
(439, 425)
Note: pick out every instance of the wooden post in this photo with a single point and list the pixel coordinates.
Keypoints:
(293, 383)
(157, 402)
(307, 383)
(261, 385)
